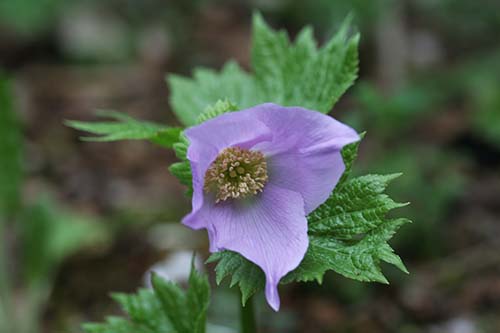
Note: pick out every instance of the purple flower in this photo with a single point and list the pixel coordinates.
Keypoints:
(257, 173)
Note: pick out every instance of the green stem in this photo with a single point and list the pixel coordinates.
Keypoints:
(247, 317)
(36, 296)
(6, 320)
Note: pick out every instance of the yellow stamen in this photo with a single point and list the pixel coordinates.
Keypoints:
(236, 173)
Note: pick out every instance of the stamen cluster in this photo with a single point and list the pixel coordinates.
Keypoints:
(236, 173)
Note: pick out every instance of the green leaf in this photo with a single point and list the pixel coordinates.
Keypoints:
(284, 73)
(349, 155)
(10, 152)
(164, 309)
(112, 325)
(126, 128)
(299, 74)
(248, 276)
(219, 108)
(332, 73)
(182, 170)
(197, 301)
(359, 261)
(145, 312)
(190, 97)
(347, 234)
(173, 301)
(181, 147)
(356, 208)
(166, 137)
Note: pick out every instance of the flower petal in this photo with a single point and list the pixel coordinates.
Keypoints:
(270, 230)
(208, 139)
(304, 153)
(314, 176)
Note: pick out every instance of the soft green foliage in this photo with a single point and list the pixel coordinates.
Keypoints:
(187, 311)
(349, 155)
(10, 152)
(182, 169)
(299, 74)
(190, 97)
(487, 122)
(49, 234)
(392, 115)
(29, 16)
(357, 208)
(126, 128)
(285, 73)
(347, 234)
(45, 233)
(145, 311)
(220, 107)
(165, 309)
(477, 19)
(396, 113)
(482, 86)
(249, 277)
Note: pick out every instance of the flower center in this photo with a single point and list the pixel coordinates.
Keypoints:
(236, 173)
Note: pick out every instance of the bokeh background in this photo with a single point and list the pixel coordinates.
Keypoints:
(93, 218)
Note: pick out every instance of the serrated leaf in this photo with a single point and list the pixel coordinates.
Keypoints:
(271, 60)
(182, 170)
(349, 155)
(358, 260)
(113, 325)
(166, 137)
(10, 153)
(186, 311)
(356, 208)
(173, 301)
(145, 311)
(197, 300)
(190, 97)
(164, 309)
(126, 128)
(181, 147)
(247, 275)
(299, 74)
(334, 71)
(219, 108)
(285, 73)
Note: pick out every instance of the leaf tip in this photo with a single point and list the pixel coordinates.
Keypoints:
(257, 18)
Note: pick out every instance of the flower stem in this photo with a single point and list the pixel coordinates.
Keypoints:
(248, 323)
(6, 320)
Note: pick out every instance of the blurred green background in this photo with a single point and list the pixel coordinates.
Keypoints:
(80, 220)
